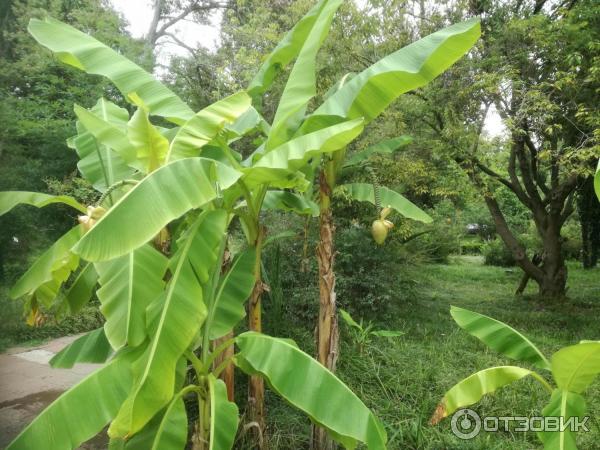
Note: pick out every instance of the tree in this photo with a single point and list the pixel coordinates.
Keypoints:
(37, 100)
(544, 93)
(168, 13)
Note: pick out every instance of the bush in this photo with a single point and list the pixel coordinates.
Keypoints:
(495, 253)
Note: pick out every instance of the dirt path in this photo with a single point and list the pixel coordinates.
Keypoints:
(28, 384)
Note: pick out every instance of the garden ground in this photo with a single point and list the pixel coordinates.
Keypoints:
(403, 378)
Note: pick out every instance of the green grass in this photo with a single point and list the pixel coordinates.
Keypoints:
(403, 379)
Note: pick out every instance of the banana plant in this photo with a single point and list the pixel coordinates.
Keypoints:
(573, 369)
(154, 243)
(364, 96)
(362, 333)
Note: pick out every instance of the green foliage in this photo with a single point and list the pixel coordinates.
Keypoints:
(573, 368)
(178, 189)
(496, 253)
(362, 334)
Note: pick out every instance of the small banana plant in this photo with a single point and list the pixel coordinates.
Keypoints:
(573, 369)
(362, 333)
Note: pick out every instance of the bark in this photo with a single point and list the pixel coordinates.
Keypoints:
(227, 375)
(327, 333)
(256, 388)
(537, 260)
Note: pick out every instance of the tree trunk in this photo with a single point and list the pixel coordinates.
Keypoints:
(554, 280)
(551, 276)
(327, 334)
(256, 387)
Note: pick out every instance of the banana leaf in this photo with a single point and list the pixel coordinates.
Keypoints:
(182, 314)
(367, 94)
(290, 201)
(470, 390)
(301, 86)
(286, 50)
(51, 269)
(92, 347)
(282, 163)
(81, 290)
(499, 336)
(10, 199)
(233, 291)
(82, 51)
(364, 192)
(150, 146)
(205, 125)
(223, 415)
(128, 285)
(576, 366)
(162, 196)
(567, 405)
(310, 387)
(80, 413)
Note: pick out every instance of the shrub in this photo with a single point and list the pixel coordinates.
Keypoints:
(495, 253)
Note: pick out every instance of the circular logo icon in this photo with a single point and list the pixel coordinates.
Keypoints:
(466, 424)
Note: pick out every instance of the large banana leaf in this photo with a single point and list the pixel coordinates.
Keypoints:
(223, 416)
(99, 164)
(301, 84)
(81, 412)
(247, 122)
(84, 52)
(364, 192)
(106, 133)
(50, 269)
(567, 405)
(205, 125)
(92, 347)
(388, 146)
(499, 336)
(151, 147)
(287, 49)
(575, 367)
(312, 388)
(164, 195)
(281, 163)
(290, 201)
(173, 428)
(470, 390)
(10, 199)
(371, 91)
(234, 289)
(129, 283)
(182, 314)
(80, 292)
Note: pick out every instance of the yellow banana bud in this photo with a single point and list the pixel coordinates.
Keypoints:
(94, 213)
(380, 229)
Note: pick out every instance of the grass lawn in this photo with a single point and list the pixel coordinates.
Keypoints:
(403, 379)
